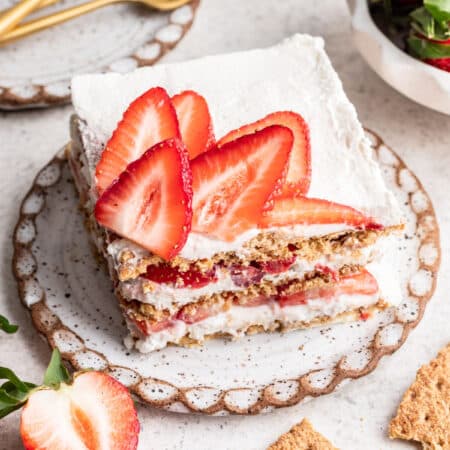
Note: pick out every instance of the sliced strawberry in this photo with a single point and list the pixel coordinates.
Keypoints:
(244, 276)
(194, 121)
(147, 327)
(232, 184)
(196, 313)
(361, 283)
(298, 176)
(95, 412)
(306, 211)
(334, 275)
(277, 265)
(191, 278)
(150, 203)
(150, 119)
(256, 301)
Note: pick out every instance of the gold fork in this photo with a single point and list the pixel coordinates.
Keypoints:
(42, 4)
(42, 23)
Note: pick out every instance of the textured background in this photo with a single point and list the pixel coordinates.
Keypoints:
(358, 415)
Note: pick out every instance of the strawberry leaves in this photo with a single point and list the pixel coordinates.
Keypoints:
(56, 372)
(6, 326)
(14, 392)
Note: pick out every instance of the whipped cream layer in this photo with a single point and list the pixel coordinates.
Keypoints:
(238, 318)
(243, 87)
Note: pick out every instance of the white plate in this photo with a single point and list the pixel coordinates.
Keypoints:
(36, 71)
(72, 305)
(420, 82)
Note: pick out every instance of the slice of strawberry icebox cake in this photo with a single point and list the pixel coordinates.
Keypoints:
(233, 194)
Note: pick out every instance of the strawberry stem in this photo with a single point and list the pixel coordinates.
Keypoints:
(14, 392)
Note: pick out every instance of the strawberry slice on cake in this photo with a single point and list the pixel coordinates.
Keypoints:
(282, 223)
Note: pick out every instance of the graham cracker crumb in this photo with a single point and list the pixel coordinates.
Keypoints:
(424, 412)
(302, 437)
(125, 256)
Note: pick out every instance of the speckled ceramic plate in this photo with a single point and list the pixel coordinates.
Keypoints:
(72, 306)
(36, 71)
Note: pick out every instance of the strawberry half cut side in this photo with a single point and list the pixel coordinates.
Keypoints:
(298, 176)
(194, 121)
(307, 211)
(149, 119)
(234, 183)
(95, 412)
(150, 203)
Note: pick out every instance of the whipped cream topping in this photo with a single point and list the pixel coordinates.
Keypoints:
(241, 88)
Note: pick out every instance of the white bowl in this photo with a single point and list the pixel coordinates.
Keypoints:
(419, 81)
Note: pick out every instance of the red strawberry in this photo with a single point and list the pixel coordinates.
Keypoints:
(147, 327)
(95, 412)
(301, 210)
(150, 119)
(256, 301)
(150, 203)
(190, 314)
(440, 63)
(244, 276)
(298, 176)
(191, 278)
(194, 121)
(277, 265)
(361, 283)
(233, 184)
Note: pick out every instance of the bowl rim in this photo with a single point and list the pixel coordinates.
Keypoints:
(390, 55)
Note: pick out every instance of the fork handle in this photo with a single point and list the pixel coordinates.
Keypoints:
(15, 14)
(42, 23)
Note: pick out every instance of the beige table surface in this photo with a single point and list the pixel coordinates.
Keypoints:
(358, 415)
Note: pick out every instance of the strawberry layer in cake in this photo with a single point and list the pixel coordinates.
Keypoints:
(233, 194)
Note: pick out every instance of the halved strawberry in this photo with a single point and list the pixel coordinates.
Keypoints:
(361, 283)
(292, 210)
(95, 412)
(150, 203)
(298, 176)
(149, 119)
(232, 184)
(191, 278)
(194, 121)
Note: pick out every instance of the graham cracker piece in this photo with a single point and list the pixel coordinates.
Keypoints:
(424, 412)
(302, 437)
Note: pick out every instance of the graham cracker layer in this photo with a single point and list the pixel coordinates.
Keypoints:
(302, 437)
(424, 413)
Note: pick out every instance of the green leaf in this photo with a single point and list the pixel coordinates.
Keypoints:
(424, 49)
(13, 393)
(424, 20)
(6, 326)
(440, 10)
(56, 372)
(8, 374)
